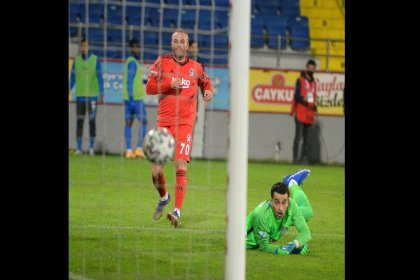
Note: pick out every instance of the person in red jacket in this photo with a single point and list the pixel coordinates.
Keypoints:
(304, 109)
(175, 78)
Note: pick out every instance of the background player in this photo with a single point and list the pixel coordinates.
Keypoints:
(133, 93)
(86, 74)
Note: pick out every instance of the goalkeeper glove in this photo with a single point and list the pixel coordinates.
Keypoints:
(289, 247)
(286, 249)
(301, 251)
(280, 251)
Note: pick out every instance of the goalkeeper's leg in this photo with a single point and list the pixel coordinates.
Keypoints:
(301, 199)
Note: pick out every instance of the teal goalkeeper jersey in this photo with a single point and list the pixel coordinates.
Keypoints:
(263, 228)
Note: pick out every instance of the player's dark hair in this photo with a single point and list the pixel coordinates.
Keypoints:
(83, 40)
(280, 188)
(192, 42)
(133, 41)
(311, 62)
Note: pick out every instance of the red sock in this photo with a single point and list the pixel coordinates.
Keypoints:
(180, 187)
(159, 183)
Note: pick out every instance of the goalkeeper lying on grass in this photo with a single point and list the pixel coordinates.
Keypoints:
(270, 220)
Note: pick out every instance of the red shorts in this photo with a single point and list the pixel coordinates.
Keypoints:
(183, 140)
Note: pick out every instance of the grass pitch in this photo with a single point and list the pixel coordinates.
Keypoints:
(112, 234)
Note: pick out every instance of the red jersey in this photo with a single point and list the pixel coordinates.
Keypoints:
(177, 106)
(306, 113)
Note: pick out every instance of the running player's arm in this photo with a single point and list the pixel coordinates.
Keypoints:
(299, 221)
(156, 84)
(261, 230)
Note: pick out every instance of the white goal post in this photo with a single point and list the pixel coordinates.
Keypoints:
(239, 52)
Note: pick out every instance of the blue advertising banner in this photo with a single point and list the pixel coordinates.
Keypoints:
(220, 80)
(113, 78)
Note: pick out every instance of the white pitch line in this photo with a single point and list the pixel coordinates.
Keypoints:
(74, 276)
(148, 228)
(142, 185)
(178, 229)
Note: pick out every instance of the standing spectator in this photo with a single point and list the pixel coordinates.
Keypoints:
(86, 74)
(133, 93)
(176, 78)
(304, 109)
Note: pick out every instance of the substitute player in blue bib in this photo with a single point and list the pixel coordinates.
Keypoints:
(133, 94)
(86, 75)
(270, 220)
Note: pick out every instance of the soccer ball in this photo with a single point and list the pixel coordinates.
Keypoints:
(159, 145)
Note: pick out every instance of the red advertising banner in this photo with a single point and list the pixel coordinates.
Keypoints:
(273, 91)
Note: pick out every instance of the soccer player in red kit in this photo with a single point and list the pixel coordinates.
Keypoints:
(175, 78)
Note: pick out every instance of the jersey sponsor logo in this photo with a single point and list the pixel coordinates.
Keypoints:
(153, 72)
(263, 234)
(184, 83)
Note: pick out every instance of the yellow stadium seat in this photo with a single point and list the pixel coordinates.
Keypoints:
(336, 64)
(326, 23)
(320, 48)
(327, 33)
(336, 23)
(319, 3)
(338, 45)
(319, 23)
(321, 66)
(333, 51)
(318, 33)
(308, 3)
(335, 33)
(326, 3)
(326, 20)
(321, 13)
(318, 44)
(319, 52)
